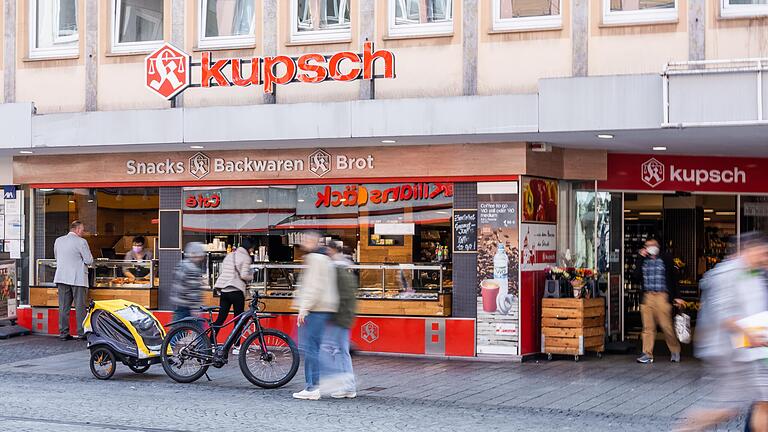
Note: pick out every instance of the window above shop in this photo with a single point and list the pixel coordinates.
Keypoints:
(320, 21)
(527, 14)
(743, 8)
(420, 17)
(137, 25)
(639, 11)
(226, 23)
(53, 29)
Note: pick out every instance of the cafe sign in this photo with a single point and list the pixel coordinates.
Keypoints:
(168, 70)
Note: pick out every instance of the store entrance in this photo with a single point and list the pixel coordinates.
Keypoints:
(695, 229)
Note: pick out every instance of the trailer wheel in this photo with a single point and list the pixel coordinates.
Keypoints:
(103, 363)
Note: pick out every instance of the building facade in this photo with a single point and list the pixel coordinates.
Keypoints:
(449, 145)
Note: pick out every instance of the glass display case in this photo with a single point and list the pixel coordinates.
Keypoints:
(377, 281)
(105, 273)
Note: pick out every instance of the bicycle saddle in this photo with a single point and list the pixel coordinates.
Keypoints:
(209, 308)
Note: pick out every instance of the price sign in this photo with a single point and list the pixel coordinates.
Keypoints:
(464, 231)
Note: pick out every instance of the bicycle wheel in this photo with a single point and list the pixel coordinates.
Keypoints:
(273, 367)
(103, 363)
(177, 362)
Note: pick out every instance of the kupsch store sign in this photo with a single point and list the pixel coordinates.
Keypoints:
(168, 70)
(685, 174)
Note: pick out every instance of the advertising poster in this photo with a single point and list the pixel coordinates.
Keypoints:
(497, 268)
(539, 200)
(7, 290)
(538, 246)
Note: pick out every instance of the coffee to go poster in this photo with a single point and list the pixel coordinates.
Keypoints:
(7, 290)
(497, 268)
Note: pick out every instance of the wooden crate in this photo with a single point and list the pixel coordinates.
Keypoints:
(572, 326)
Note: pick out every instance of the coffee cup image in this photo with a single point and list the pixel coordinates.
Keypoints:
(489, 290)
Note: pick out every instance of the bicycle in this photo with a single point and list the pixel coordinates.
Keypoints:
(190, 348)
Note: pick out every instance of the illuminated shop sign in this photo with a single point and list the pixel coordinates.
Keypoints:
(168, 69)
(358, 195)
(201, 201)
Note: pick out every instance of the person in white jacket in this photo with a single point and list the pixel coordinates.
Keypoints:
(317, 299)
(235, 274)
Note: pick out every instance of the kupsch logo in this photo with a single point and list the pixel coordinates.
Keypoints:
(369, 332)
(199, 165)
(320, 162)
(652, 173)
(168, 69)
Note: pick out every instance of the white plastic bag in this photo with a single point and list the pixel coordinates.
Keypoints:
(683, 328)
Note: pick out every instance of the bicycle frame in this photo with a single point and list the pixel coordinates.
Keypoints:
(221, 352)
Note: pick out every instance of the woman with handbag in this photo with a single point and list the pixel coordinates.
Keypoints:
(231, 283)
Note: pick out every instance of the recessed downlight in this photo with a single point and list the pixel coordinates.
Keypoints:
(388, 141)
(26, 152)
(605, 136)
(196, 147)
(659, 148)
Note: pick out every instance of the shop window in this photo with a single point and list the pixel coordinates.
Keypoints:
(137, 25)
(639, 11)
(526, 14)
(226, 23)
(743, 8)
(420, 17)
(112, 218)
(320, 20)
(53, 30)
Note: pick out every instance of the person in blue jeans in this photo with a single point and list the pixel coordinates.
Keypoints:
(335, 360)
(316, 300)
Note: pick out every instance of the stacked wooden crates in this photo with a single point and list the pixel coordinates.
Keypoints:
(572, 326)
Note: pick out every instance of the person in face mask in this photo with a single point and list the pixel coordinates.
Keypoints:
(137, 253)
(658, 274)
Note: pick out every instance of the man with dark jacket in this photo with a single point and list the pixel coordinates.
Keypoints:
(659, 283)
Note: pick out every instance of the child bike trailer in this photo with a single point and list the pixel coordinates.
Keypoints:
(119, 330)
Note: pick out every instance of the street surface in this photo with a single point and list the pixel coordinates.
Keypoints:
(46, 385)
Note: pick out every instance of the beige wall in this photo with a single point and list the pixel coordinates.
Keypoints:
(735, 38)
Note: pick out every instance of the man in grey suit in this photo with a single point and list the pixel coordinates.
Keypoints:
(72, 259)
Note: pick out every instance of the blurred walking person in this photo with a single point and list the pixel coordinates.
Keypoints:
(73, 256)
(657, 272)
(317, 299)
(336, 361)
(733, 290)
(187, 288)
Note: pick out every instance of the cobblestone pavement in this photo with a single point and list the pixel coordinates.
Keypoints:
(46, 385)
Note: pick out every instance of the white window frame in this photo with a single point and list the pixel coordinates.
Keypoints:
(728, 10)
(132, 47)
(72, 50)
(646, 16)
(543, 22)
(418, 29)
(324, 35)
(235, 41)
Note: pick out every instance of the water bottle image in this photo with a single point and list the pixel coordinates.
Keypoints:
(501, 274)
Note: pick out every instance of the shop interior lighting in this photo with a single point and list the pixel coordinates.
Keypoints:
(709, 210)
(627, 211)
(726, 213)
(659, 148)
(259, 200)
(605, 136)
(388, 141)
(630, 218)
(707, 219)
(650, 213)
(26, 152)
(46, 190)
(301, 200)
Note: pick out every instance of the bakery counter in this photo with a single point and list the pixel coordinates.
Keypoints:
(46, 296)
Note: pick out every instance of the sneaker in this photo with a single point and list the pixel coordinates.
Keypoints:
(344, 395)
(236, 350)
(675, 358)
(307, 395)
(645, 359)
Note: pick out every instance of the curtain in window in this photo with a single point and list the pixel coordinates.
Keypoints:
(229, 17)
(633, 5)
(528, 8)
(56, 23)
(140, 20)
(331, 14)
(422, 11)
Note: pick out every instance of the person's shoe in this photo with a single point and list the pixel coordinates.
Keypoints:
(675, 358)
(81, 337)
(236, 350)
(307, 395)
(344, 395)
(65, 337)
(645, 359)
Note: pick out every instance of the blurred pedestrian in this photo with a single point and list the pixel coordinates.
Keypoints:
(187, 288)
(657, 272)
(336, 361)
(317, 300)
(235, 274)
(733, 290)
(73, 256)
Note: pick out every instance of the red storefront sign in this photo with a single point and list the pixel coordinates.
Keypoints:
(685, 173)
(203, 201)
(167, 70)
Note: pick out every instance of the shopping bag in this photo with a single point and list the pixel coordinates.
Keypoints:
(683, 328)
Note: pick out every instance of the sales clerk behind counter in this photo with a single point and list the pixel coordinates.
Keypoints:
(137, 253)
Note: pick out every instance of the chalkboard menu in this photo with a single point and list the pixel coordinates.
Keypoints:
(500, 214)
(464, 231)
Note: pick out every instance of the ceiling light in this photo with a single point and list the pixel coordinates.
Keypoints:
(90, 200)
(650, 213)
(709, 210)
(707, 219)
(659, 148)
(259, 201)
(196, 147)
(388, 141)
(343, 199)
(605, 136)
(71, 201)
(631, 218)
(726, 213)
(46, 190)
(301, 200)
(26, 152)
(627, 211)
(392, 200)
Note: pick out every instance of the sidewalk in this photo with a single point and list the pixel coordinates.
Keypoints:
(614, 387)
